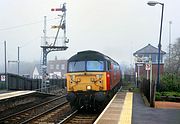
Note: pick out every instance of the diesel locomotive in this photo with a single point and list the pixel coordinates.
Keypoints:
(92, 79)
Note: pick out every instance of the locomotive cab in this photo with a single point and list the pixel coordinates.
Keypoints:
(90, 78)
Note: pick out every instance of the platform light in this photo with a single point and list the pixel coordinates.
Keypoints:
(153, 3)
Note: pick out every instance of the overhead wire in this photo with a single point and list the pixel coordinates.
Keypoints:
(24, 25)
(29, 42)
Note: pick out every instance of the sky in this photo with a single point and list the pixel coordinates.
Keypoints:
(116, 28)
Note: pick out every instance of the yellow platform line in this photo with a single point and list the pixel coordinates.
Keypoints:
(126, 114)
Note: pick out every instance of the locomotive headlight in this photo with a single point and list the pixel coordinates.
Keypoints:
(79, 80)
(88, 87)
(98, 76)
(72, 77)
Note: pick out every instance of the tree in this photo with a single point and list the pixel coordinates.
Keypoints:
(172, 62)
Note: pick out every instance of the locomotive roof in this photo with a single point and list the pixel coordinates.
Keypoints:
(89, 55)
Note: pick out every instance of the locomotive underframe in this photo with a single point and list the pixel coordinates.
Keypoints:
(90, 98)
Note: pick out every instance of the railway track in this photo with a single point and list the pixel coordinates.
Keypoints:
(52, 115)
(14, 105)
(84, 116)
(27, 114)
(81, 117)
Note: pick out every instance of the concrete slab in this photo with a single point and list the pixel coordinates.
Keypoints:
(145, 115)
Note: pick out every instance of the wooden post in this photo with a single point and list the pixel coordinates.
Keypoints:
(153, 89)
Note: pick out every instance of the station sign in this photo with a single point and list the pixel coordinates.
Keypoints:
(3, 78)
(148, 67)
(139, 64)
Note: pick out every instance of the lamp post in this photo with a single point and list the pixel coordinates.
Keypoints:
(170, 22)
(153, 3)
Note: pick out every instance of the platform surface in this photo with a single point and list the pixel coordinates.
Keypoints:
(146, 115)
(118, 111)
(14, 94)
(129, 108)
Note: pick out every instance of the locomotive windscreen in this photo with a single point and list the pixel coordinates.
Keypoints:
(79, 66)
(95, 65)
(76, 66)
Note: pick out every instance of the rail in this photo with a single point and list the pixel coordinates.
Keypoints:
(35, 118)
(32, 111)
(81, 116)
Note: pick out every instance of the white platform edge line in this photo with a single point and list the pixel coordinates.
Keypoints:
(14, 94)
(105, 109)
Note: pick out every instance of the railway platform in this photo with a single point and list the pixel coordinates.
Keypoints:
(129, 108)
(8, 95)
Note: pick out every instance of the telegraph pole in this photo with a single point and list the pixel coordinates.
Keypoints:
(16, 61)
(5, 67)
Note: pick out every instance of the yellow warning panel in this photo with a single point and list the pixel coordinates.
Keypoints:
(126, 113)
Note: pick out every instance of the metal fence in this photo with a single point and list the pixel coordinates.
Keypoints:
(147, 91)
(16, 82)
(145, 88)
(129, 78)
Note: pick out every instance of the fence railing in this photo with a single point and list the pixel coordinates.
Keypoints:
(16, 82)
(148, 90)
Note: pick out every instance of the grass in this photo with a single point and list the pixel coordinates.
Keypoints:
(130, 86)
(176, 94)
(167, 96)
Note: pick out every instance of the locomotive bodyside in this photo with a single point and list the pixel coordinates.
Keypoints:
(92, 78)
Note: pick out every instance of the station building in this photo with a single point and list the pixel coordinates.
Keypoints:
(143, 59)
(57, 68)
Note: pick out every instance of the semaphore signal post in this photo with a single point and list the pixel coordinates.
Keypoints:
(47, 48)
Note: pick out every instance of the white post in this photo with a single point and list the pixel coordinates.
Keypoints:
(138, 77)
(44, 31)
(150, 62)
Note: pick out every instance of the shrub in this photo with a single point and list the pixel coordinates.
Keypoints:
(158, 96)
(168, 96)
(176, 94)
(169, 82)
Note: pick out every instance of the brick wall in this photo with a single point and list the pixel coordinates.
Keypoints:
(143, 72)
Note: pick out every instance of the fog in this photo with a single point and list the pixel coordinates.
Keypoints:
(116, 28)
